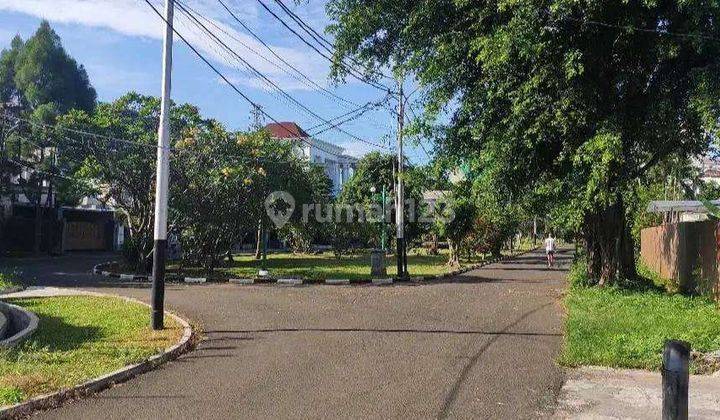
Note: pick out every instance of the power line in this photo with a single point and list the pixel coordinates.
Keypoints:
(112, 147)
(349, 70)
(297, 75)
(352, 118)
(269, 81)
(324, 43)
(231, 84)
(284, 61)
(361, 111)
(318, 37)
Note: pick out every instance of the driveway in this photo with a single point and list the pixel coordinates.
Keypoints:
(482, 345)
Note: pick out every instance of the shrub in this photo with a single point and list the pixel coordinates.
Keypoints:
(578, 276)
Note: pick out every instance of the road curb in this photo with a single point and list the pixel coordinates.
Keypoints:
(56, 399)
(101, 269)
(12, 289)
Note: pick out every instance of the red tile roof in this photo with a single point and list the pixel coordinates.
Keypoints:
(286, 130)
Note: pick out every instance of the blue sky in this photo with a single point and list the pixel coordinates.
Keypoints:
(120, 44)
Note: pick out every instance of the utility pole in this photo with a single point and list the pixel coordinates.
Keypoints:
(383, 234)
(400, 192)
(161, 183)
(256, 114)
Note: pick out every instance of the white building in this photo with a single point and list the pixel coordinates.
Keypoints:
(339, 167)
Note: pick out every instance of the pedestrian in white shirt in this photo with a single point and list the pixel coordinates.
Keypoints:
(550, 249)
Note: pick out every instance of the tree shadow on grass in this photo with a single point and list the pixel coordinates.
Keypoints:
(54, 334)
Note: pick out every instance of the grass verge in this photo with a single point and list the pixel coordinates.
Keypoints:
(326, 266)
(78, 338)
(627, 328)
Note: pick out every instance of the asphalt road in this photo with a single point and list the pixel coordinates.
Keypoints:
(480, 346)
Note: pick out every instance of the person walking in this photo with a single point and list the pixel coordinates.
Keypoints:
(550, 249)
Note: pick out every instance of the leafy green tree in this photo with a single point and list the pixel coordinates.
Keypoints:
(550, 103)
(9, 92)
(45, 74)
(119, 168)
(376, 170)
(458, 228)
(38, 82)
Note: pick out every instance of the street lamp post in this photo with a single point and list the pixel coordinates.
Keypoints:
(383, 238)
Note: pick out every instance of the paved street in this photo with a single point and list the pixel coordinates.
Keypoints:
(482, 345)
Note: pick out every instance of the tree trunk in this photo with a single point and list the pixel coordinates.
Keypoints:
(609, 243)
(434, 244)
(454, 259)
(38, 222)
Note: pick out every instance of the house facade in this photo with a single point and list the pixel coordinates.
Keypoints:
(338, 166)
(89, 226)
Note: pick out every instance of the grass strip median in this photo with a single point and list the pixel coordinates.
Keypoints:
(78, 338)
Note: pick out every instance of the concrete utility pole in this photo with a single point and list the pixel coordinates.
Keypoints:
(161, 183)
(400, 192)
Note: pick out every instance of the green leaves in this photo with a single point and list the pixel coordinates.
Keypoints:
(40, 72)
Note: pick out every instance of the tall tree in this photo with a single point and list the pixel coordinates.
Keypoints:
(120, 173)
(571, 101)
(46, 74)
(38, 82)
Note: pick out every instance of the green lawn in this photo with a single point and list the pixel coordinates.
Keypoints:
(624, 328)
(326, 266)
(6, 280)
(79, 338)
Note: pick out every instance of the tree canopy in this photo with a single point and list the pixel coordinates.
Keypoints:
(40, 73)
(554, 102)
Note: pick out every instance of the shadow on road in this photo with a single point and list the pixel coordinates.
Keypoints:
(462, 377)
(374, 330)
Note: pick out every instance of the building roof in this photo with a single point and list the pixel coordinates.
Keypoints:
(685, 206)
(435, 195)
(286, 130)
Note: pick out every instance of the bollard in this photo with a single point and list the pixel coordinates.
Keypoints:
(675, 380)
(377, 263)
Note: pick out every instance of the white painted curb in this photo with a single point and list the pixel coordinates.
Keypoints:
(195, 280)
(242, 281)
(127, 277)
(337, 281)
(289, 281)
(382, 281)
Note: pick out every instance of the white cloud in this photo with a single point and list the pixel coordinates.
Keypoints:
(136, 18)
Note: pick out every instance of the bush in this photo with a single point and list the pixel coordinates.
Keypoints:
(578, 276)
(299, 237)
(8, 279)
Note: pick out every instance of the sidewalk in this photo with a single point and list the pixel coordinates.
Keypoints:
(593, 392)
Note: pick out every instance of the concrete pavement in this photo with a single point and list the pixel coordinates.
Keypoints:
(481, 346)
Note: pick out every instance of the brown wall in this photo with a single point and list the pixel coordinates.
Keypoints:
(84, 236)
(685, 253)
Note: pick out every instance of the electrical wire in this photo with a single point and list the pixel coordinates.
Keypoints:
(111, 146)
(349, 70)
(297, 75)
(318, 37)
(232, 85)
(272, 83)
